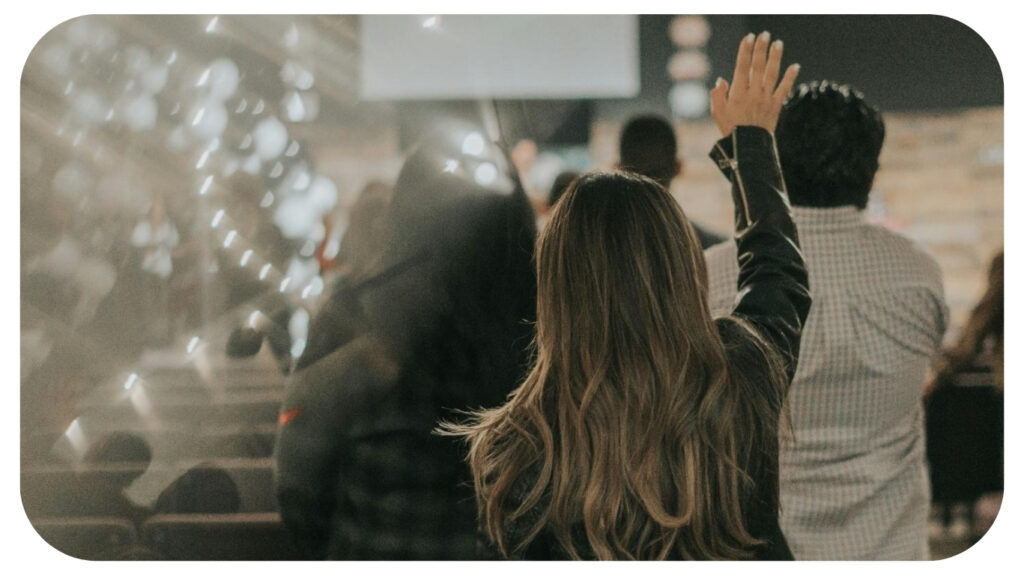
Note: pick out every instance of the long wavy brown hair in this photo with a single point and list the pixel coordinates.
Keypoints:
(632, 434)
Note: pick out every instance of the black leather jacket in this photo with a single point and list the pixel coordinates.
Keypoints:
(773, 301)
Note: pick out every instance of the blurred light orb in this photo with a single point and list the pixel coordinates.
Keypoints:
(431, 22)
(276, 170)
(295, 217)
(473, 144)
(690, 31)
(316, 285)
(56, 59)
(81, 31)
(486, 174)
(154, 79)
(293, 148)
(271, 138)
(177, 141)
(140, 113)
(301, 106)
(252, 165)
(207, 120)
(89, 107)
(230, 167)
(291, 37)
(294, 108)
(295, 74)
(319, 232)
(137, 58)
(323, 193)
(72, 180)
(689, 99)
(305, 80)
(689, 65)
(222, 78)
(103, 39)
(299, 178)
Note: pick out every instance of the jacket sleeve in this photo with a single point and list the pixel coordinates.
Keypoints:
(307, 456)
(773, 293)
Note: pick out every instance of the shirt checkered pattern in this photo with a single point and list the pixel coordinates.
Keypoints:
(854, 482)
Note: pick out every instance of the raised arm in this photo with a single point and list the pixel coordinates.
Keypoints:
(773, 287)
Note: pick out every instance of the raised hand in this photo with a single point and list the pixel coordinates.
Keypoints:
(753, 99)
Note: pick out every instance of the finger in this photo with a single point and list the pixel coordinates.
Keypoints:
(771, 73)
(741, 74)
(718, 95)
(759, 56)
(718, 102)
(782, 91)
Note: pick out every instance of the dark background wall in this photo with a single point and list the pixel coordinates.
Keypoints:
(900, 62)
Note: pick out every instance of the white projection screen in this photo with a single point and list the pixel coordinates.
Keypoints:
(499, 56)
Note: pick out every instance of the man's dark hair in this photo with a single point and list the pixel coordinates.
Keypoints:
(647, 146)
(829, 140)
(560, 185)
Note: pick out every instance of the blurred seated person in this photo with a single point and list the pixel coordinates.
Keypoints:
(647, 146)
(122, 458)
(205, 488)
(965, 408)
(442, 324)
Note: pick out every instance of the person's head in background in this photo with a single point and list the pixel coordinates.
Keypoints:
(560, 185)
(647, 146)
(829, 140)
(121, 447)
(205, 488)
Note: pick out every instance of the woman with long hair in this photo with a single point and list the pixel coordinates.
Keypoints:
(646, 429)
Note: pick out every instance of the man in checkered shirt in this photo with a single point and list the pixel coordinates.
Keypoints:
(854, 483)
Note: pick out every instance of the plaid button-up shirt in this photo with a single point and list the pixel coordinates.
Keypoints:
(853, 476)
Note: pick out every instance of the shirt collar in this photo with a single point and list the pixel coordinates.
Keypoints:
(827, 219)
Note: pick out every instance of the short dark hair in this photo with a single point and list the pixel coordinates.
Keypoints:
(829, 140)
(647, 146)
(560, 185)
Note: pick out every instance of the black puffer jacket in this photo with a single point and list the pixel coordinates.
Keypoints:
(774, 301)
